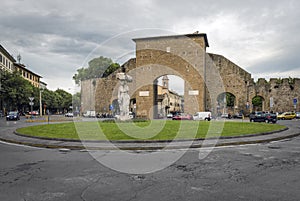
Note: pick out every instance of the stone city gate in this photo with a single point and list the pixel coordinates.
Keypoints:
(183, 56)
(206, 76)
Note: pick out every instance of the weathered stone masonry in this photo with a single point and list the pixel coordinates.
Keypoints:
(205, 74)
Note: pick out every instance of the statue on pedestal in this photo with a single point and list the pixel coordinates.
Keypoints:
(123, 96)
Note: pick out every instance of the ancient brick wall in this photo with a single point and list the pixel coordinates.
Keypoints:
(282, 91)
(205, 75)
(235, 80)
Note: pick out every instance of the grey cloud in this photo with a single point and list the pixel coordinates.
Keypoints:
(287, 61)
(72, 29)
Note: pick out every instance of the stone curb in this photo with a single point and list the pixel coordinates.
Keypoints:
(218, 144)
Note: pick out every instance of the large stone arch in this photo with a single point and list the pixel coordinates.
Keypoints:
(183, 56)
(144, 78)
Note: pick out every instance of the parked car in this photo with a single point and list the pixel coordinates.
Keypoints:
(90, 113)
(13, 115)
(170, 115)
(182, 117)
(202, 116)
(69, 114)
(270, 117)
(297, 115)
(238, 116)
(263, 117)
(33, 113)
(226, 116)
(286, 115)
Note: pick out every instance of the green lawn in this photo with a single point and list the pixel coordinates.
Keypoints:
(150, 130)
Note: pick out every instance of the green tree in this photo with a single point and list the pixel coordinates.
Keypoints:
(98, 67)
(56, 101)
(76, 100)
(64, 99)
(257, 101)
(15, 91)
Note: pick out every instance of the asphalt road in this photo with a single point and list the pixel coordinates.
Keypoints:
(253, 172)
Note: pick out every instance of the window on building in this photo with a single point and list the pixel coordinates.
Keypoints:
(1, 58)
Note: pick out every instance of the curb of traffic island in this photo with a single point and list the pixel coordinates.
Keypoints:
(73, 147)
(255, 134)
(41, 145)
(51, 146)
(150, 141)
(258, 141)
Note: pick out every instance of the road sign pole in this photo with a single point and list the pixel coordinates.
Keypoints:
(295, 103)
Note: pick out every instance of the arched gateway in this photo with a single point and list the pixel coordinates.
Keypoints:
(205, 77)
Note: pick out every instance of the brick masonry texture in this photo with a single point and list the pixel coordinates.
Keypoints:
(205, 73)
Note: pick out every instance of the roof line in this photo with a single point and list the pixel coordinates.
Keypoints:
(6, 53)
(26, 69)
(175, 36)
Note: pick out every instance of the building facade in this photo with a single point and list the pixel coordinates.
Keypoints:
(9, 64)
(168, 101)
(27, 74)
(6, 60)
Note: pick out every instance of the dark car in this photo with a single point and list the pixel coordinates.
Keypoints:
(270, 117)
(263, 117)
(182, 117)
(13, 116)
(238, 116)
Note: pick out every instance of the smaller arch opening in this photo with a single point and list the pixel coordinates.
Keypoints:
(258, 103)
(168, 96)
(225, 103)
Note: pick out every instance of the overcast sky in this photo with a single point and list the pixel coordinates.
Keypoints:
(56, 37)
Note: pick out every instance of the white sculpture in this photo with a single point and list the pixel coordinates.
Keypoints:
(123, 96)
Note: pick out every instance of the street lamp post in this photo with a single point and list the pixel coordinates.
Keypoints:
(41, 86)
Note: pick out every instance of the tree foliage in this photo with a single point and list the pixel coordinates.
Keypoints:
(257, 101)
(15, 92)
(76, 101)
(98, 67)
(230, 99)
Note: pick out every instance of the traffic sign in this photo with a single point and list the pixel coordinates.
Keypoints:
(271, 102)
(295, 101)
(31, 103)
(31, 99)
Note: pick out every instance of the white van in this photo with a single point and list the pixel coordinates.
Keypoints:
(202, 116)
(90, 113)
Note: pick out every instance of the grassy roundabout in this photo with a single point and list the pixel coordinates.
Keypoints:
(168, 130)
